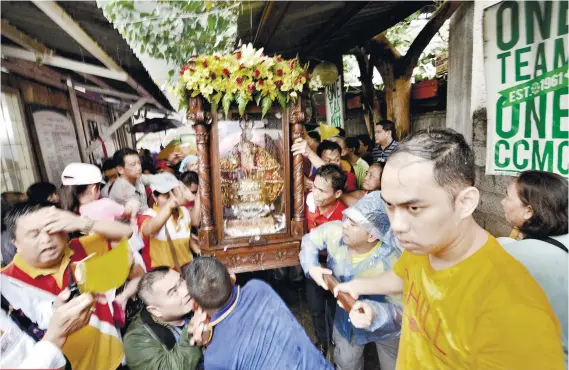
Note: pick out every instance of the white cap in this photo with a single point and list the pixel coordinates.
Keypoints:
(164, 182)
(81, 174)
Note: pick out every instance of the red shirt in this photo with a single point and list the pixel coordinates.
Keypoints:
(351, 182)
(315, 219)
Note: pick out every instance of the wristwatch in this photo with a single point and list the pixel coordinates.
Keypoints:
(88, 225)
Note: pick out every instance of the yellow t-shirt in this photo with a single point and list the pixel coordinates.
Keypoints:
(357, 258)
(486, 312)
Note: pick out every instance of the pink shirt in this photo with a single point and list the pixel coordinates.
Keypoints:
(102, 209)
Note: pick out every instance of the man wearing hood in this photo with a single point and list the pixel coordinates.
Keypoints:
(360, 245)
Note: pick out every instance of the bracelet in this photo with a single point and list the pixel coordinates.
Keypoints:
(88, 226)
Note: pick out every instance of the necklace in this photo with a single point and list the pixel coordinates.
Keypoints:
(211, 324)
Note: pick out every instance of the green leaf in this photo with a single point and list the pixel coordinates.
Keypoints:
(241, 104)
(216, 98)
(266, 105)
(226, 102)
(282, 99)
(258, 99)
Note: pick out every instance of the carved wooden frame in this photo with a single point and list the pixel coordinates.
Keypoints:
(274, 251)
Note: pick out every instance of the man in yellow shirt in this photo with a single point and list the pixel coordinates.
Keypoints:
(467, 303)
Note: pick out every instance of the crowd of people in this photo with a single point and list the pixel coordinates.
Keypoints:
(393, 222)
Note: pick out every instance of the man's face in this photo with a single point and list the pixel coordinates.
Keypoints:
(331, 157)
(323, 192)
(372, 179)
(354, 234)
(340, 141)
(132, 168)
(362, 149)
(170, 298)
(111, 175)
(422, 213)
(38, 248)
(382, 137)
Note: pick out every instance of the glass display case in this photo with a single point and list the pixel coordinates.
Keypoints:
(252, 175)
(251, 188)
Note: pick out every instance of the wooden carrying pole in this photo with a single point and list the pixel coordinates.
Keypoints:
(345, 299)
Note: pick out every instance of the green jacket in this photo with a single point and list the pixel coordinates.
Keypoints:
(151, 346)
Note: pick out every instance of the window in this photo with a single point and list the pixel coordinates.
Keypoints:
(18, 172)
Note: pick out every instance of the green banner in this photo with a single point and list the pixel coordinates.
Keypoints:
(541, 85)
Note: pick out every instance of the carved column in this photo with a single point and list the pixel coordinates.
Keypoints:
(206, 234)
(296, 120)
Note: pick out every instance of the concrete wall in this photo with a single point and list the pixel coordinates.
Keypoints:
(489, 214)
(466, 108)
(427, 120)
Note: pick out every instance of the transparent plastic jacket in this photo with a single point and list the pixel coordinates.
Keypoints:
(370, 213)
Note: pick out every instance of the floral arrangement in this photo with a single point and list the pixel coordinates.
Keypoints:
(242, 77)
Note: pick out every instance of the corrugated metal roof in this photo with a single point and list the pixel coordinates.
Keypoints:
(305, 20)
(29, 19)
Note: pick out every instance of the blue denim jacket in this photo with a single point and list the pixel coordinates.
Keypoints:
(260, 333)
(388, 309)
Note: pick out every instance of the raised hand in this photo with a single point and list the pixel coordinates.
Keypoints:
(300, 147)
(347, 288)
(362, 320)
(317, 272)
(68, 318)
(58, 220)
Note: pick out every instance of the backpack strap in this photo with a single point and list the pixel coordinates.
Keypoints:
(551, 241)
(22, 321)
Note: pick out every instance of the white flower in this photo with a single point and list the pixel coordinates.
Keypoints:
(310, 203)
(250, 57)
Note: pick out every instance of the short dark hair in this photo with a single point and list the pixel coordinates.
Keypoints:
(314, 135)
(209, 282)
(365, 139)
(20, 210)
(388, 125)
(190, 177)
(40, 192)
(341, 132)
(353, 143)
(452, 156)
(333, 175)
(109, 164)
(546, 194)
(328, 145)
(145, 284)
(120, 154)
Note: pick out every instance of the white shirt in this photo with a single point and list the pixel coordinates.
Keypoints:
(19, 351)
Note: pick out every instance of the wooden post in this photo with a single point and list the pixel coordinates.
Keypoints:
(206, 234)
(78, 121)
(296, 120)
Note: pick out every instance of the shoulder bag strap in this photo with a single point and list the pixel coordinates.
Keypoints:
(172, 249)
(551, 241)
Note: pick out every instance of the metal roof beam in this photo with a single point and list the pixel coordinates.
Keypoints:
(70, 64)
(118, 123)
(73, 29)
(273, 14)
(68, 24)
(106, 92)
(23, 40)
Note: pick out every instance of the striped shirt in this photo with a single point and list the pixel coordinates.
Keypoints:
(381, 155)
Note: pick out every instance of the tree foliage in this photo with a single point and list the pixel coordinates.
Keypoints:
(174, 30)
(401, 36)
